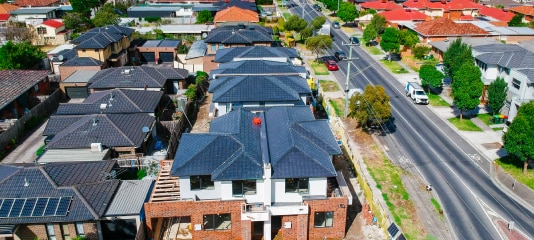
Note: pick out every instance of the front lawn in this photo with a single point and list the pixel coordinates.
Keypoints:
(514, 166)
(318, 68)
(372, 49)
(436, 101)
(338, 105)
(394, 67)
(329, 86)
(486, 118)
(465, 125)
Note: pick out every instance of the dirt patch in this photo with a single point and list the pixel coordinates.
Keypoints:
(493, 145)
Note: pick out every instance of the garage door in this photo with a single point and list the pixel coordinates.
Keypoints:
(166, 56)
(148, 57)
(77, 92)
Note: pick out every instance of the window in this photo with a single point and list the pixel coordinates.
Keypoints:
(217, 221)
(65, 231)
(323, 219)
(201, 182)
(213, 48)
(298, 185)
(79, 229)
(243, 187)
(50, 231)
(221, 46)
(516, 83)
(507, 70)
(41, 30)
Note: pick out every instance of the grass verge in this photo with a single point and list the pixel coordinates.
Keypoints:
(372, 50)
(388, 180)
(437, 206)
(514, 166)
(436, 101)
(486, 118)
(465, 125)
(286, 15)
(329, 86)
(394, 67)
(338, 105)
(318, 68)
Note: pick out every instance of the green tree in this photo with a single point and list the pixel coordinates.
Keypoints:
(378, 22)
(497, 91)
(430, 76)
(20, 56)
(191, 92)
(295, 23)
(408, 38)
(106, 16)
(517, 21)
(456, 55)
(390, 40)
(369, 34)
(318, 22)
(84, 6)
(319, 44)
(371, 107)
(280, 24)
(347, 12)
(306, 32)
(420, 51)
(77, 21)
(518, 140)
(467, 87)
(204, 16)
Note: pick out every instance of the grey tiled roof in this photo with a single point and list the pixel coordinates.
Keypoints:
(254, 52)
(116, 101)
(83, 61)
(529, 73)
(240, 4)
(240, 34)
(98, 38)
(73, 173)
(258, 88)
(112, 130)
(298, 146)
(129, 198)
(509, 59)
(257, 67)
(99, 194)
(57, 124)
(138, 77)
(198, 49)
(13, 83)
(493, 48)
(66, 54)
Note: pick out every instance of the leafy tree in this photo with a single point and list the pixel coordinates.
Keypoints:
(122, 7)
(319, 44)
(347, 12)
(430, 76)
(500, 6)
(106, 16)
(204, 16)
(518, 140)
(330, 4)
(408, 38)
(420, 51)
(295, 23)
(19, 32)
(378, 22)
(497, 94)
(281, 23)
(306, 32)
(153, 19)
(517, 21)
(191, 92)
(456, 55)
(467, 87)
(77, 21)
(84, 6)
(390, 40)
(369, 34)
(20, 56)
(318, 22)
(371, 107)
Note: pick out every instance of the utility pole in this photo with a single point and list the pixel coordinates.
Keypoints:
(303, 4)
(348, 77)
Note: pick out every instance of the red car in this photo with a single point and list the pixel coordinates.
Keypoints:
(331, 65)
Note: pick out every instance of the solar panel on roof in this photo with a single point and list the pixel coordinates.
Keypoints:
(51, 207)
(63, 206)
(28, 207)
(40, 206)
(17, 207)
(6, 207)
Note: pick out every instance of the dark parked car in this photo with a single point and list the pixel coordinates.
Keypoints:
(331, 65)
(340, 55)
(336, 25)
(317, 7)
(354, 40)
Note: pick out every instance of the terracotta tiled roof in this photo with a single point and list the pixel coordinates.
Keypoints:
(403, 15)
(36, 3)
(379, 5)
(418, 4)
(446, 27)
(4, 17)
(53, 23)
(235, 14)
(497, 13)
(525, 10)
(6, 8)
(445, 5)
(467, 18)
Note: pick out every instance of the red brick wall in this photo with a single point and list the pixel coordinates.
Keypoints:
(209, 64)
(38, 231)
(66, 71)
(339, 207)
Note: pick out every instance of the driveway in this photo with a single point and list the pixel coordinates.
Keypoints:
(25, 151)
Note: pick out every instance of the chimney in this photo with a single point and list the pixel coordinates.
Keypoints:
(443, 1)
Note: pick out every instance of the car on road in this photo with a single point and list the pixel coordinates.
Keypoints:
(336, 25)
(317, 7)
(354, 40)
(331, 65)
(340, 55)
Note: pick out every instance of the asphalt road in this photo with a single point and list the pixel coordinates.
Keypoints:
(421, 142)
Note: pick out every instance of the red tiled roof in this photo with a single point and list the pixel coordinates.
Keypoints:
(525, 10)
(235, 14)
(4, 17)
(445, 5)
(6, 8)
(53, 23)
(446, 27)
(379, 5)
(403, 15)
(36, 3)
(467, 18)
(497, 13)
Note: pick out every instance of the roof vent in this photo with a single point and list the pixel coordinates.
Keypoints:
(126, 71)
(111, 96)
(103, 106)
(26, 183)
(95, 121)
(256, 121)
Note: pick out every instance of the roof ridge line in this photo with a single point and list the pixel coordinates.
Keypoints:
(85, 202)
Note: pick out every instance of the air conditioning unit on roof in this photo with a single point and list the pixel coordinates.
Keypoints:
(96, 147)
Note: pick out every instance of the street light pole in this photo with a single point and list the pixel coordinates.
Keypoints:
(303, 8)
(337, 7)
(348, 78)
